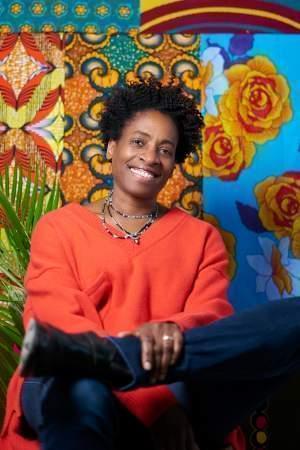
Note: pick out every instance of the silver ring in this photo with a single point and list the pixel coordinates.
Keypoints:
(167, 338)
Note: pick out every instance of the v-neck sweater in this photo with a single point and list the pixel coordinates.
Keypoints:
(81, 279)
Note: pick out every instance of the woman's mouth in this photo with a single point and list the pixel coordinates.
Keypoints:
(142, 173)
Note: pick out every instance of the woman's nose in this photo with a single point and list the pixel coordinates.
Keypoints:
(150, 155)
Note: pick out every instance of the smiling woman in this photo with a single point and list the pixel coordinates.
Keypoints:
(123, 265)
(147, 129)
(143, 158)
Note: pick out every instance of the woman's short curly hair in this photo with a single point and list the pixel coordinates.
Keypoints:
(147, 94)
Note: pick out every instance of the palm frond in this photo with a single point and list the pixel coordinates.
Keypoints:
(22, 203)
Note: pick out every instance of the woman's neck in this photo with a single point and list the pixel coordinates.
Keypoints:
(132, 205)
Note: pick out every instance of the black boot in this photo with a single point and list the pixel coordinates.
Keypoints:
(47, 351)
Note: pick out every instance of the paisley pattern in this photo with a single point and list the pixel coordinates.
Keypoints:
(93, 67)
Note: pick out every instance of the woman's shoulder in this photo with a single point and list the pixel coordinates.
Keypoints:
(70, 213)
(193, 221)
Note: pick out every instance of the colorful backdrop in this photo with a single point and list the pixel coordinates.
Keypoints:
(59, 60)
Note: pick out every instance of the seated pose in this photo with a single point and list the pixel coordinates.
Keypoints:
(238, 361)
(126, 264)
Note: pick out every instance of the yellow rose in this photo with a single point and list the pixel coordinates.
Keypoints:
(279, 206)
(229, 241)
(224, 156)
(257, 101)
(296, 237)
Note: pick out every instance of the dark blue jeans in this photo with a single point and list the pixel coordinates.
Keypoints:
(80, 414)
(229, 367)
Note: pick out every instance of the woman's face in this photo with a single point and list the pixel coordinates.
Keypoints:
(143, 157)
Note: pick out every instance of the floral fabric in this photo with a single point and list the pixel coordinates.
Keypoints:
(251, 161)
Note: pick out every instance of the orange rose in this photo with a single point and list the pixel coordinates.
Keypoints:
(224, 156)
(279, 206)
(256, 103)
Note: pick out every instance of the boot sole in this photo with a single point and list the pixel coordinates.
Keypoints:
(29, 347)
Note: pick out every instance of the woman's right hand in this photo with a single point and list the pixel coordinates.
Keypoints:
(161, 346)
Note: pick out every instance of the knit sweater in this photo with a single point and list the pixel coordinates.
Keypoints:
(81, 279)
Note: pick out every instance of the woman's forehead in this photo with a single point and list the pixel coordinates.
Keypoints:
(152, 121)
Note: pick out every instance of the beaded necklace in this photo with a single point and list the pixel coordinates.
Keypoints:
(133, 235)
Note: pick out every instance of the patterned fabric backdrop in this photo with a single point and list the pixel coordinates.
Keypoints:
(155, 16)
(68, 15)
(94, 65)
(251, 160)
(31, 103)
(220, 16)
(251, 169)
(246, 182)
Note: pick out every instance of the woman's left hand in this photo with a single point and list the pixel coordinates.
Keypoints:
(161, 346)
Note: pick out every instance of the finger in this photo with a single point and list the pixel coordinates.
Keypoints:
(167, 355)
(177, 346)
(147, 352)
(157, 336)
(157, 360)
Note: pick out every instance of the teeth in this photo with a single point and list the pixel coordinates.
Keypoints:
(142, 173)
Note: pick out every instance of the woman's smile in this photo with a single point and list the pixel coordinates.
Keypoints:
(143, 174)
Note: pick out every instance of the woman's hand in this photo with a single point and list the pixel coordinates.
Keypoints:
(161, 347)
(172, 431)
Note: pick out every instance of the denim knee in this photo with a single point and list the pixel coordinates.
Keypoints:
(94, 404)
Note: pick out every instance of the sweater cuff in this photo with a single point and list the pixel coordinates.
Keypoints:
(147, 404)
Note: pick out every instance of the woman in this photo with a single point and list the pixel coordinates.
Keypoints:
(123, 265)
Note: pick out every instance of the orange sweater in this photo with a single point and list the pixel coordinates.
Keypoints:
(80, 278)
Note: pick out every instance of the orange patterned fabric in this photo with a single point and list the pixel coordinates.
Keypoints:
(31, 100)
(96, 64)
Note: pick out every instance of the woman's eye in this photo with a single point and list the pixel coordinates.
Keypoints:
(138, 142)
(166, 151)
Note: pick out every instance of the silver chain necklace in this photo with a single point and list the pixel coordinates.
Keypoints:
(135, 235)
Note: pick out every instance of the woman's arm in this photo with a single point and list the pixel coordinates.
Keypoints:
(52, 287)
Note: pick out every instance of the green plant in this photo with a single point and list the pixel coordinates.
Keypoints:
(22, 202)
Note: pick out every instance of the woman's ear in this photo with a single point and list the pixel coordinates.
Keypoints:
(110, 149)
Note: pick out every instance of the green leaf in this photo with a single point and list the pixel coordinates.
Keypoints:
(14, 186)
(19, 191)
(40, 201)
(23, 202)
(26, 199)
(32, 203)
(6, 181)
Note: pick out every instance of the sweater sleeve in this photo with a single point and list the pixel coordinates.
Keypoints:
(208, 300)
(52, 291)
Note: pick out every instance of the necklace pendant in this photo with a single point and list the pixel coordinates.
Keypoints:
(135, 238)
